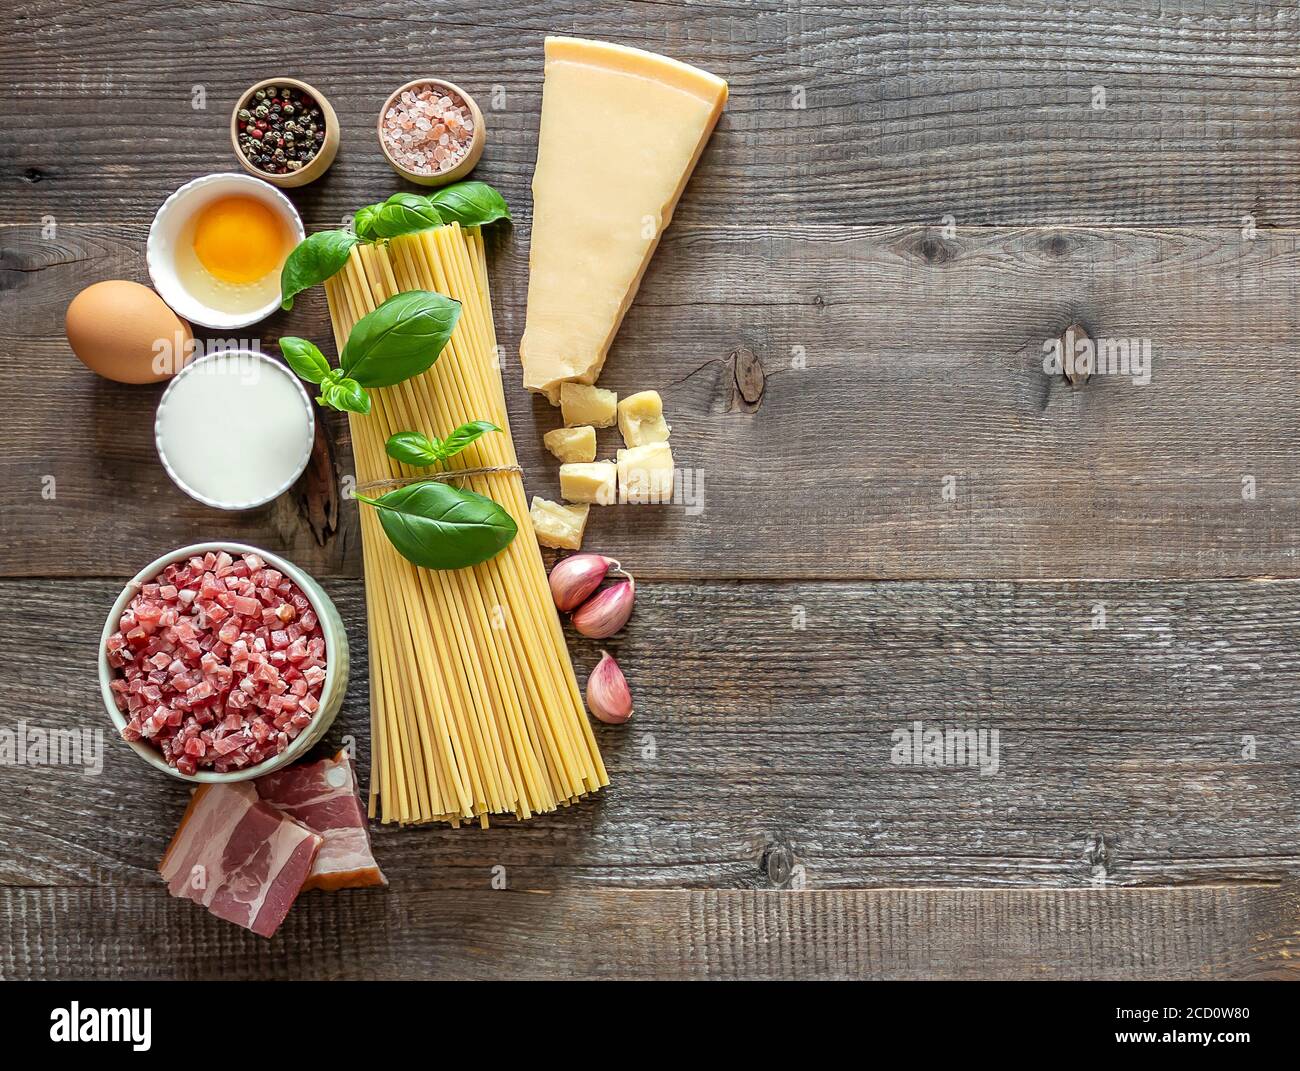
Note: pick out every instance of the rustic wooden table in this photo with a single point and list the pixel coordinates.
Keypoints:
(906, 518)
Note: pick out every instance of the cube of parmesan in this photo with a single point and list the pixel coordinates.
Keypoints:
(596, 482)
(641, 419)
(558, 526)
(572, 444)
(645, 473)
(581, 404)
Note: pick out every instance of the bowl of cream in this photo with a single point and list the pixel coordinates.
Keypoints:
(234, 429)
(216, 248)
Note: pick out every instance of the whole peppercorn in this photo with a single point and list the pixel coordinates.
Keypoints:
(280, 129)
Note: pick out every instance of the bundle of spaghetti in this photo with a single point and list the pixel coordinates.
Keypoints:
(475, 709)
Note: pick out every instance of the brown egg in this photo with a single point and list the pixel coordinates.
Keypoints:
(126, 333)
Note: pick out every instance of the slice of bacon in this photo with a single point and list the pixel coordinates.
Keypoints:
(241, 858)
(324, 797)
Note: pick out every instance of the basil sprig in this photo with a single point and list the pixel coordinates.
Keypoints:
(422, 451)
(437, 526)
(471, 204)
(336, 390)
(313, 260)
(431, 524)
(320, 255)
(402, 338)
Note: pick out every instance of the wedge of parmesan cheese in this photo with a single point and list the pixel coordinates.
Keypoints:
(621, 132)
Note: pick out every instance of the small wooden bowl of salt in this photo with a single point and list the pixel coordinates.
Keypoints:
(431, 132)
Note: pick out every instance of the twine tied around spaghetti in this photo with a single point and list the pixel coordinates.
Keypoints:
(442, 477)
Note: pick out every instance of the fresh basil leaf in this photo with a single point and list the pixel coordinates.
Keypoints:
(464, 436)
(437, 526)
(412, 448)
(405, 213)
(363, 222)
(345, 394)
(471, 204)
(313, 260)
(305, 359)
(400, 339)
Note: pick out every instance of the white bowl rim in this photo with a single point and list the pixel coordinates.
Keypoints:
(280, 369)
(107, 674)
(177, 297)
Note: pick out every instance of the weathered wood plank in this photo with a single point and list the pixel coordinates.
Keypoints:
(900, 423)
(419, 933)
(1161, 749)
(985, 112)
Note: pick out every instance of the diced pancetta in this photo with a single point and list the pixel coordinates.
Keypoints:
(325, 797)
(207, 639)
(241, 858)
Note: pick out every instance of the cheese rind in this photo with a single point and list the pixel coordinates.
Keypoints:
(572, 444)
(557, 525)
(641, 419)
(581, 404)
(621, 132)
(596, 482)
(645, 474)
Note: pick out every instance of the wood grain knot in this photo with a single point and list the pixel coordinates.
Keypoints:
(748, 381)
(1099, 857)
(1057, 245)
(934, 251)
(778, 862)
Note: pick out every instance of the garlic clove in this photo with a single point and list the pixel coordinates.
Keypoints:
(576, 577)
(607, 611)
(608, 696)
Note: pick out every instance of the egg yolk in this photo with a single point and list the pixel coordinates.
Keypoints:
(239, 239)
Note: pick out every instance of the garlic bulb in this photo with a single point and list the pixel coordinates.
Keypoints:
(576, 577)
(607, 611)
(608, 696)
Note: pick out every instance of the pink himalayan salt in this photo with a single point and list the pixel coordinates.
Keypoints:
(428, 132)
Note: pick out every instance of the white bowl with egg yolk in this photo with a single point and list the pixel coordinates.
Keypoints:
(176, 269)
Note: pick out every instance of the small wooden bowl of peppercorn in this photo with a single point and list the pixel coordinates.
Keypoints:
(284, 132)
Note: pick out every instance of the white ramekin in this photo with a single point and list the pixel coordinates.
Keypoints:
(164, 234)
(336, 663)
(272, 367)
